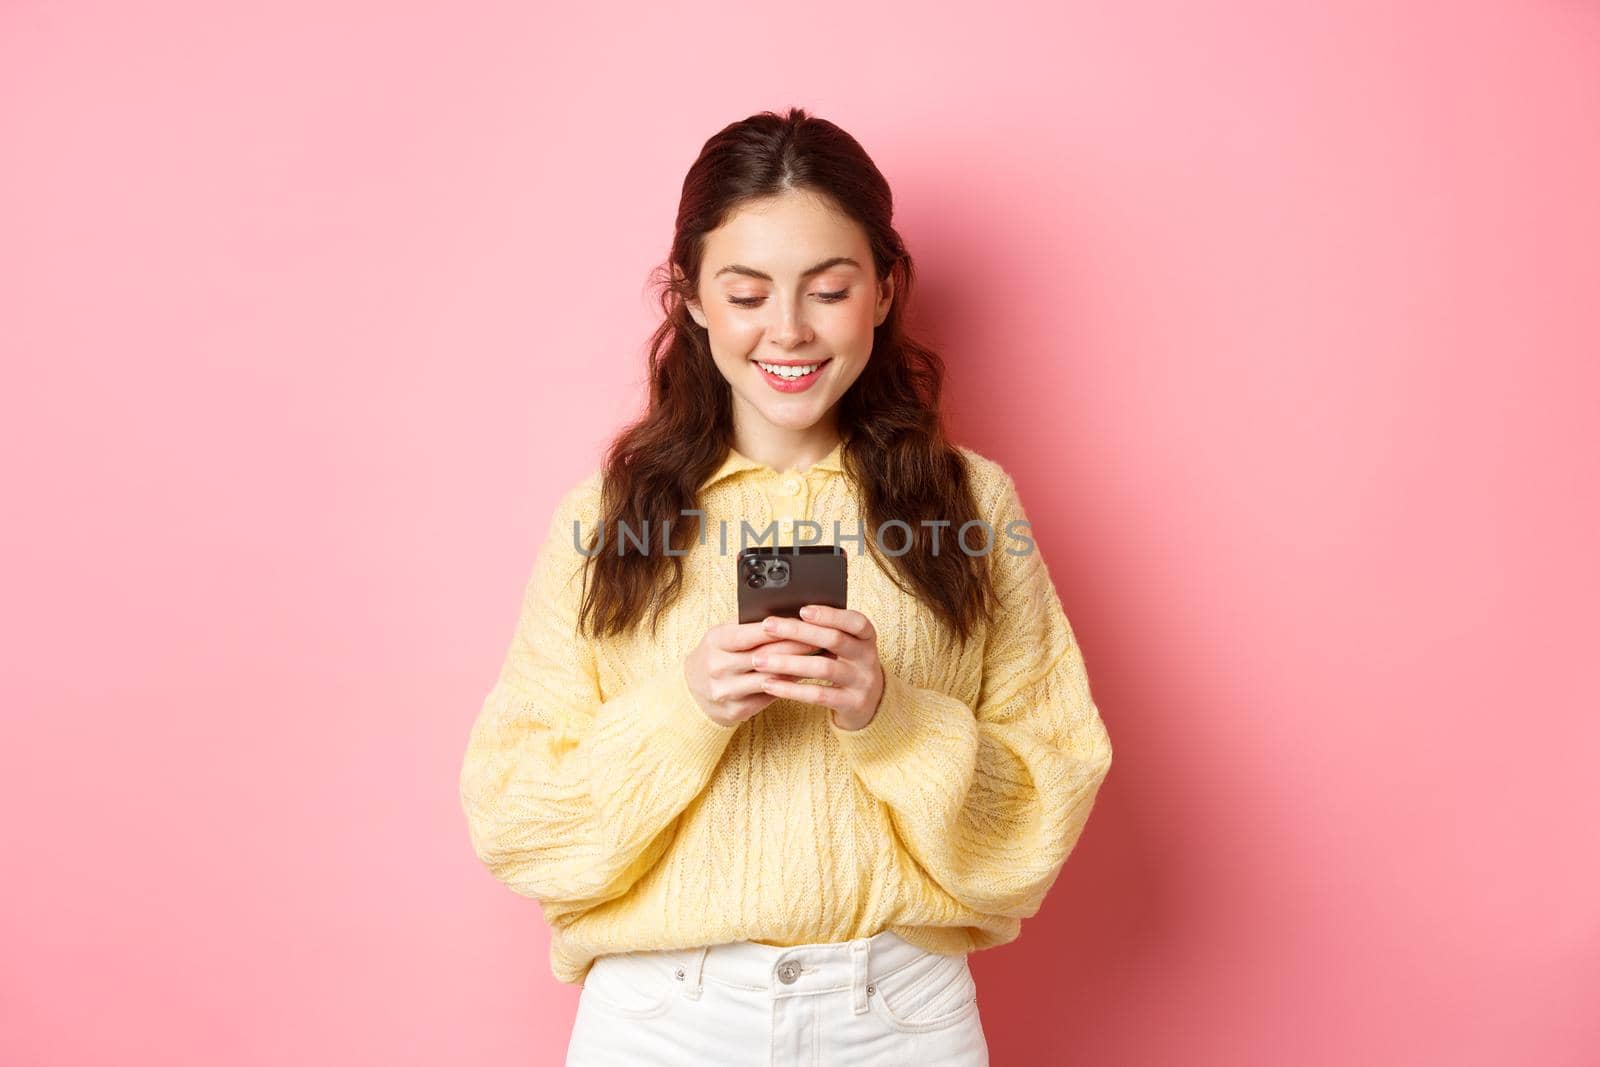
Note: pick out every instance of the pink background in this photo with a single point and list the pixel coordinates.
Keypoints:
(1282, 316)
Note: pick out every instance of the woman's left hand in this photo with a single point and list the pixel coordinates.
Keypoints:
(852, 671)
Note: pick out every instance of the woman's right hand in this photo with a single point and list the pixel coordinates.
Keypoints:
(721, 679)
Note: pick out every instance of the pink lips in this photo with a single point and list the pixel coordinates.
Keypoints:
(791, 385)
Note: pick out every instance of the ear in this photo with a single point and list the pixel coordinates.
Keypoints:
(692, 304)
(885, 299)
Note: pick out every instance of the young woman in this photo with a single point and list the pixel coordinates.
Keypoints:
(747, 853)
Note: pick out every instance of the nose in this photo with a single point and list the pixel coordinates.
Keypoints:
(790, 328)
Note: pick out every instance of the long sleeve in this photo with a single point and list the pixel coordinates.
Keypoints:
(991, 800)
(569, 797)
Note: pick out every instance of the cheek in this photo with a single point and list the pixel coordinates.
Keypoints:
(723, 323)
(732, 338)
(849, 333)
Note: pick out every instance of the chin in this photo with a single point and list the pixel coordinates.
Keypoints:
(793, 418)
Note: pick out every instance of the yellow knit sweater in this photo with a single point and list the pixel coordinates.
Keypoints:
(593, 782)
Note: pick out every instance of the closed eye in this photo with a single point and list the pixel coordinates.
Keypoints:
(755, 301)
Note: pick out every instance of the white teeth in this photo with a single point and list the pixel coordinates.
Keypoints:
(788, 372)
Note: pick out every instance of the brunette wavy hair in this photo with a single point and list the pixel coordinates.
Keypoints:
(894, 444)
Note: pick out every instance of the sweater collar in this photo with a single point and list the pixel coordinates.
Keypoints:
(737, 461)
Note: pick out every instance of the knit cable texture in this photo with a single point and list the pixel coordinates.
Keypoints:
(593, 782)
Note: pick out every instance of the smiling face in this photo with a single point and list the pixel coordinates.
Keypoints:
(788, 282)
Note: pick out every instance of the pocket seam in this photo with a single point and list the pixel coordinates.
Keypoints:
(655, 1009)
(939, 1022)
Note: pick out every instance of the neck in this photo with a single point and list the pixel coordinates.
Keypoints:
(784, 449)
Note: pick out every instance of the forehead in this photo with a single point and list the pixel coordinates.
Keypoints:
(784, 235)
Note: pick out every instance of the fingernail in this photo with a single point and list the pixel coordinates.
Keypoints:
(758, 661)
(806, 612)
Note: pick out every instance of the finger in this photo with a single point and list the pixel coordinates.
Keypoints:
(827, 696)
(784, 646)
(739, 636)
(800, 666)
(851, 622)
(736, 687)
(822, 636)
(730, 663)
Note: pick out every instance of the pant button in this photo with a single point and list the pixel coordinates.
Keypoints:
(788, 971)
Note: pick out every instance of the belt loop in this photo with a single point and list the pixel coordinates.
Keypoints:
(859, 949)
(696, 974)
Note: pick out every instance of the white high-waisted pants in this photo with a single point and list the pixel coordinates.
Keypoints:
(873, 1001)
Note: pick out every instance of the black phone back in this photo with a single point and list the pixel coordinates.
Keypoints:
(780, 580)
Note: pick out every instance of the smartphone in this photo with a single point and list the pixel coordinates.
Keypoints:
(782, 579)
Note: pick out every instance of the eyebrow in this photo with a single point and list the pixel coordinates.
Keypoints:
(751, 272)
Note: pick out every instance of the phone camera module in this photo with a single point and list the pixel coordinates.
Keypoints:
(764, 572)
